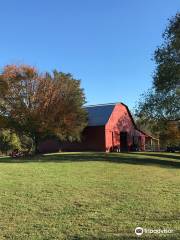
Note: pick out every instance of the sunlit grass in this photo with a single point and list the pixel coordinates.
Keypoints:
(89, 196)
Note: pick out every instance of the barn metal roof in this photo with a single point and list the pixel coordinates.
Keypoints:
(98, 115)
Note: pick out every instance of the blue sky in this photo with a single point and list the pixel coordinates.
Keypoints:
(108, 44)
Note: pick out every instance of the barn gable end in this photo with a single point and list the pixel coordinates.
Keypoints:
(121, 131)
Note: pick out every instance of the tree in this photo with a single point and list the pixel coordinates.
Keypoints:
(26, 143)
(171, 134)
(9, 141)
(38, 104)
(161, 104)
(3, 85)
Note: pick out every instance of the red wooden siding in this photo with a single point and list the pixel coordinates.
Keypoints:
(48, 146)
(93, 139)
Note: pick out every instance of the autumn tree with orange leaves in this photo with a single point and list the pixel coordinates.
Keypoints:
(40, 104)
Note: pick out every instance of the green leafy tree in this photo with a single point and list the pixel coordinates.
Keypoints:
(5, 137)
(9, 141)
(160, 106)
(26, 143)
(40, 104)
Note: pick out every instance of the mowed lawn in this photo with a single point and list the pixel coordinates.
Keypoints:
(89, 196)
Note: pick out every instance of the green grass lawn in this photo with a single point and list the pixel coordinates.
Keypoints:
(89, 196)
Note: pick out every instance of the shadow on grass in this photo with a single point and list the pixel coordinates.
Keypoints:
(175, 156)
(121, 158)
(126, 237)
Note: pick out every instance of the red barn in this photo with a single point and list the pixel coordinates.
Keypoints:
(110, 127)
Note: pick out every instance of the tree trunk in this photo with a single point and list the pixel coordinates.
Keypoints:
(36, 149)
